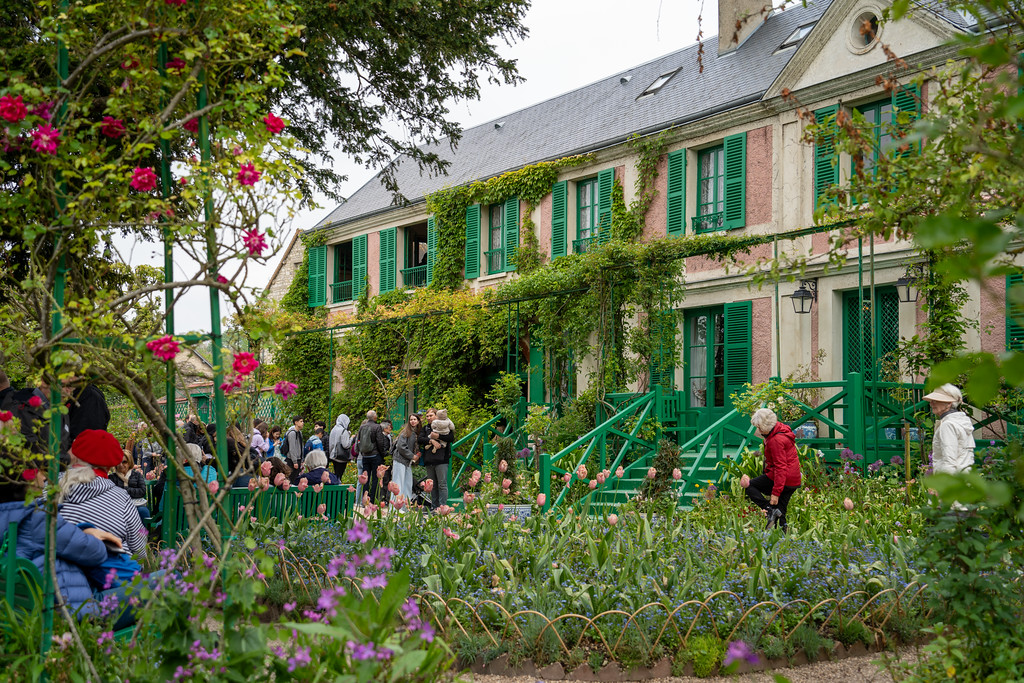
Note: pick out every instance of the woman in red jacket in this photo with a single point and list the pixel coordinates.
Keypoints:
(781, 476)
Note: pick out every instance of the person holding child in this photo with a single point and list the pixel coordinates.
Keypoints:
(436, 454)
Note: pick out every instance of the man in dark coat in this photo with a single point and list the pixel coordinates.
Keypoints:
(373, 446)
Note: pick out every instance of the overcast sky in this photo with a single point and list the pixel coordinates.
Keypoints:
(571, 43)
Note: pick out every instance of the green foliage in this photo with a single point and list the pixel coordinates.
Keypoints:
(706, 653)
(506, 394)
(463, 409)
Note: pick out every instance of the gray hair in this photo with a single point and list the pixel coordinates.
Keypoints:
(315, 459)
(371, 414)
(764, 419)
(80, 472)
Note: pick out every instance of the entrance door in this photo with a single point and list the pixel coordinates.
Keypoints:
(865, 348)
(717, 355)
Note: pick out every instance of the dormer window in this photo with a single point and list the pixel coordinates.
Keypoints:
(796, 36)
(659, 82)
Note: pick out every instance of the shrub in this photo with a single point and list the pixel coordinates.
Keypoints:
(706, 652)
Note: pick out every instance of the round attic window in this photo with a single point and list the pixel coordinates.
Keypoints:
(864, 32)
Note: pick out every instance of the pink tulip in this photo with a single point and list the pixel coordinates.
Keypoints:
(370, 508)
(351, 489)
(366, 499)
(381, 469)
(325, 477)
(541, 499)
(151, 476)
(847, 503)
(501, 507)
(487, 478)
(613, 519)
(399, 502)
(567, 478)
(601, 477)
(286, 485)
(676, 474)
(321, 508)
(252, 485)
(468, 498)
(393, 487)
(592, 484)
(298, 494)
(502, 466)
(428, 485)
(651, 472)
(264, 484)
(303, 484)
(214, 487)
(619, 472)
(581, 471)
(443, 510)
(450, 534)
(318, 488)
(506, 483)
(474, 478)
(265, 468)
(745, 481)
(363, 478)
(279, 479)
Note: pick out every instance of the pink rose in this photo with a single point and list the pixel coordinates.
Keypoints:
(35, 401)
(847, 503)
(303, 484)
(745, 481)
(265, 468)
(248, 175)
(192, 125)
(325, 477)
(619, 472)
(592, 484)
(149, 475)
(244, 363)
(214, 486)
(255, 241)
(12, 108)
(321, 508)
(112, 128)
(502, 466)
(285, 389)
(676, 474)
(541, 499)
(428, 485)
(279, 479)
(363, 478)
(613, 519)
(274, 125)
(45, 139)
(143, 179)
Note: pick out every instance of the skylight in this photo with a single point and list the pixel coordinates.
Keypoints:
(796, 36)
(658, 83)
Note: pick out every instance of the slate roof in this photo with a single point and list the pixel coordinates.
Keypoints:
(604, 113)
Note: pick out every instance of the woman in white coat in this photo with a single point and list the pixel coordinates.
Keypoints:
(953, 443)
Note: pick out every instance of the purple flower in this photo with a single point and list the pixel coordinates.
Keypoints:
(426, 632)
(361, 652)
(371, 582)
(410, 610)
(846, 454)
(737, 651)
(359, 533)
(300, 659)
(875, 466)
(896, 460)
(289, 606)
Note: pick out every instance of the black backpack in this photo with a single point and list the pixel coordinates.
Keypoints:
(33, 424)
(284, 444)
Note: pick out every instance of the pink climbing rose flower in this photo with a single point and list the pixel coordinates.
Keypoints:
(45, 139)
(176, 65)
(143, 179)
(192, 125)
(255, 241)
(12, 108)
(274, 124)
(285, 389)
(165, 348)
(248, 175)
(112, 128)
(214, 487)
(35, 401)
(245, 363)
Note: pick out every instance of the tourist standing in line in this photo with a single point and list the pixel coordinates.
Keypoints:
(405, 454)
(294, 443)
(339, 445)
(373, 447)
(260, 432)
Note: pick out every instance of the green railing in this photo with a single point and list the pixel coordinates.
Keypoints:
(475, 449)
(341, 291)
(709, 222)
(597, 440)
(581, 245)
(415, 276)
(495, 260)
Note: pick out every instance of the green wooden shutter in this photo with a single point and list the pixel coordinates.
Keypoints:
(511, 226)
(431, 249)
(472, 242)
(676, 195)
(906, 99)
(735, 181)
(738, 322)
(663, 361)
(1014, 315)
(605, 182)
(559, 212)
(317, 279)
(826, 158)
(358, 266)
(388, 259)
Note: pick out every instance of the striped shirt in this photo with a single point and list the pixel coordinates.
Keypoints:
(101, 503)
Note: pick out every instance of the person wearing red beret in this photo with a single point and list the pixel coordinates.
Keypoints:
(88, 496)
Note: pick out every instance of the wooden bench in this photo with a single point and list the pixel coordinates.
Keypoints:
(21, 582)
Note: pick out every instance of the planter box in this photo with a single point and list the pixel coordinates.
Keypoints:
(808, 430)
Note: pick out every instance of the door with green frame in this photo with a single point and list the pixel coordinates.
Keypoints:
(717, 359)
(870, 336)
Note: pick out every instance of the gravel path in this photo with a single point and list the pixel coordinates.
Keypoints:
(852, 670)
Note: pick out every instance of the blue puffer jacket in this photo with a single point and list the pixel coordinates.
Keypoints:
(75, 548)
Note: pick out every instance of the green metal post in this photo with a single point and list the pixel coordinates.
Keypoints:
(855, 393)
(545, 480)
(56, 398)
(170, 523)
(220, 414)
(863, 362)
(875, 375)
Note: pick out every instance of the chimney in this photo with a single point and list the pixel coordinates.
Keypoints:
(737, 19)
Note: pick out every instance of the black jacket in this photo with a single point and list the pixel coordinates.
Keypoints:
(87, 409)
(371, 432)
(444, 454)
(196, 434)
(136, 486)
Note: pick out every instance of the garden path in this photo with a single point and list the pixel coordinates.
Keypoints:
(852, 670)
